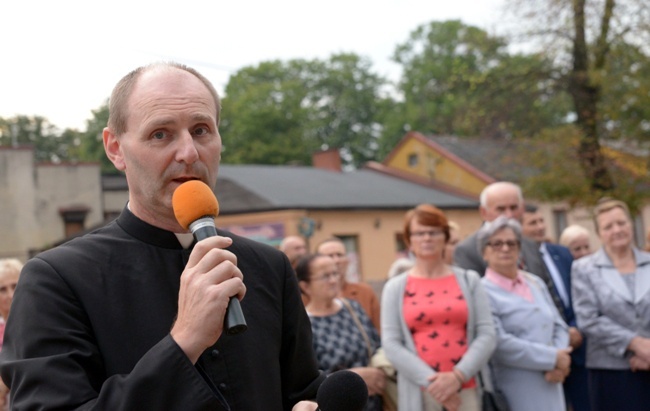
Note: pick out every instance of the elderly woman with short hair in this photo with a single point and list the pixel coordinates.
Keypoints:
(576, 239)
(9, 272)
(532, 355)
(611, 297)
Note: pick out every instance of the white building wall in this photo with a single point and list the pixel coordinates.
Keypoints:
(66, 186)
(18, 225)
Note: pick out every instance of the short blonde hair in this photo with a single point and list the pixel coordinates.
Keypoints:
(606, 204)
(571, 233)
(10, 266)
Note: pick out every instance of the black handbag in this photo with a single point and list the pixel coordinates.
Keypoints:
(492, 400)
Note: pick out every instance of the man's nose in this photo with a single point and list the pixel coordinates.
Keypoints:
(186, 151)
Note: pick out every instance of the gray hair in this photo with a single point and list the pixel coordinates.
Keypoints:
(488, 189)
(490, 228)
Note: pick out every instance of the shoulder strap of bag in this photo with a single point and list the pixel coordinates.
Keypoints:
(347, 305)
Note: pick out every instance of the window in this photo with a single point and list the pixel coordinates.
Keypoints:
(413, 160)
(639, 231)
(351, 243)
(559, 222)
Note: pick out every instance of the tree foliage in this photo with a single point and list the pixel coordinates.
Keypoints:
(90, 143)
(50, 145)
(281, 112)
(558, 176)
(459, 80)
(583, 36)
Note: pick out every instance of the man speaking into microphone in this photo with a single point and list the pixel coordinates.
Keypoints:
(131, 316)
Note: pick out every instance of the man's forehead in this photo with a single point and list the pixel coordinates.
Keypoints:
(504, 200)
(331, 246)
(534, 216)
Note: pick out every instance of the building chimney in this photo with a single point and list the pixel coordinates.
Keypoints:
(327, 160)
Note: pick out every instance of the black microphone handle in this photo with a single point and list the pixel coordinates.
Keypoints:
(234, 323)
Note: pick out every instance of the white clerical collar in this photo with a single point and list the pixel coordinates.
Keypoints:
(186, 239)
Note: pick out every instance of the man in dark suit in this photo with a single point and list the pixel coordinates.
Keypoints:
(504, 198)
(131, 316)
(558, 260)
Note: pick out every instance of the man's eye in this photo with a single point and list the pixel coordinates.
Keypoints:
(159, 135)
(200, 131)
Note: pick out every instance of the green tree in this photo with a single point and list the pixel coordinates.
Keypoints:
(581, 35)
(281, 112)
(555, 175)
(625, 105)
(90, 143)
(262, 118)
(48, 142)
(459, 80)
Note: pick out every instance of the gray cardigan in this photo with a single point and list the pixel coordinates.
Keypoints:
(396, 338)
(606, 311)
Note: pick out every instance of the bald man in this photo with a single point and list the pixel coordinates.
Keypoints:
(293, 247)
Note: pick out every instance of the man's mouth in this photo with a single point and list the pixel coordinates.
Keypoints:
(182, 180)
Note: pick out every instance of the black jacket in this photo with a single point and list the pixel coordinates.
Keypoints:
(90, 322)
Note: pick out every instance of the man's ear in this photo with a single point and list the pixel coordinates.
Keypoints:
(304, 287)
(483, 212)
(113, 149)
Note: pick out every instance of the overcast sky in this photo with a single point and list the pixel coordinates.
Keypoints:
(62, 58)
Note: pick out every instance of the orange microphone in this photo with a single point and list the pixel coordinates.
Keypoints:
(195, 207)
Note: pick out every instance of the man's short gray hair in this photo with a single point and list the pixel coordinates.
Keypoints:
(488, 189)
(490, 228)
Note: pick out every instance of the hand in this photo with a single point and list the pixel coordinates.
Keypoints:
(305, 406)
(210, 278)
(575, 337)
(555, 376)
(639, 364)
(641, 347)
(4, 391)
(443, 386)
(452, 403)
(374, 378)
(563, 359)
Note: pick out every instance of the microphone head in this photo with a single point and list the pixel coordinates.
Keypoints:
(342, 391)
(192, 200)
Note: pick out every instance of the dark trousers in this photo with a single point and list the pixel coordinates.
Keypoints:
(576, 388)
(619, 390)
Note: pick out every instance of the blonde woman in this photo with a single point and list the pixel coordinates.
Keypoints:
(9, 273)
(611, 297)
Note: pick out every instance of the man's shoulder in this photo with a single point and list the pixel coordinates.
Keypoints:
(96, 239)
(468, 245)
(359, 288)
(558, 249)
(470, 241)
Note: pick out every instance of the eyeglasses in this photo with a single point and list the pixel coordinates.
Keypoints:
(428, 233)
(326, 277)
(498, 244)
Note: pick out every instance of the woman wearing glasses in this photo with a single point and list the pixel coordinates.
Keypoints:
(532, 355)
(343, 335)
(437, 329)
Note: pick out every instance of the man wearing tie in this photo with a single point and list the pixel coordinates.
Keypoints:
(558, 260)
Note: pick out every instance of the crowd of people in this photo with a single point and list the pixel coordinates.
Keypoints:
(132, 315)
(549, 326)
